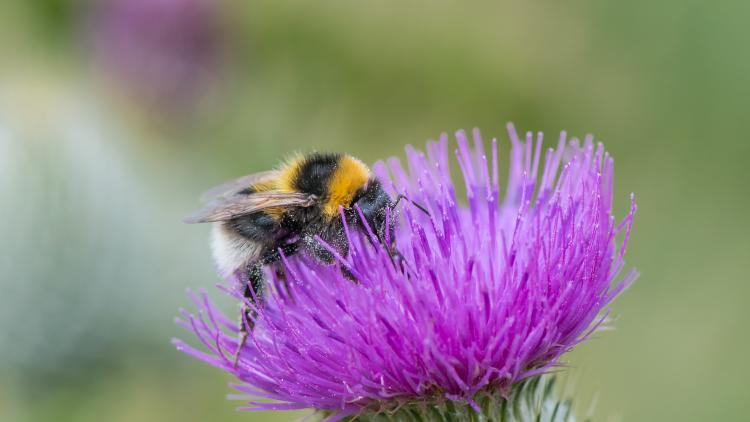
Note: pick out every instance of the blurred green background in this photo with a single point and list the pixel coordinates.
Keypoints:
(115, 114)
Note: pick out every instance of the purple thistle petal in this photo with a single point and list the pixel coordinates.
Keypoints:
(491, 293)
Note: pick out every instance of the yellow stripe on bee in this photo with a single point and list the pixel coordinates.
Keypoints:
(350, 175)
(265, 186)
(284, 182)
(289, 173)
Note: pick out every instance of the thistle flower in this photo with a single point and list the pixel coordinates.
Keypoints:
(166, 52)
(484, 296)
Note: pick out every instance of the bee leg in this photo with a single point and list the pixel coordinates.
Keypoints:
(274, 256)
(348, 274)
(416, 204)
(253, 292)
(243, 335)
(400, 262)
(396, 258)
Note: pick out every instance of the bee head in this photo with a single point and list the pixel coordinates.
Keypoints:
(373, 201)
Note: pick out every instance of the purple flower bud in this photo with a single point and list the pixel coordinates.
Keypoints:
(484, 295)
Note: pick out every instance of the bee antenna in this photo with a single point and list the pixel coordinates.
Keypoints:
(402, 196)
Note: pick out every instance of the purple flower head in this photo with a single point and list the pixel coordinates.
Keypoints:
(484, 295)
(166, 52)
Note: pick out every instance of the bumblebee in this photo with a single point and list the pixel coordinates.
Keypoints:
(258, 215)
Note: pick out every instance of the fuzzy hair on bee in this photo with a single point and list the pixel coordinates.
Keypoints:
(289, 209)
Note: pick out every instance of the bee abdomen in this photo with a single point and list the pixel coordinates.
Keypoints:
(260, 226)
(232, 251)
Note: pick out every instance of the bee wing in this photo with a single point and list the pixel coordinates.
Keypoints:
(231, 187)
(226, 208)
